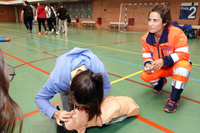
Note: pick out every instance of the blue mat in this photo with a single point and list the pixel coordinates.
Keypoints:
(4, 39)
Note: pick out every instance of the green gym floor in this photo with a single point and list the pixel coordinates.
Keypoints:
(33, 56)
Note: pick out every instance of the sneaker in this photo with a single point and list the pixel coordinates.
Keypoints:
(57, 33)
(45, 32)
(52, 30)
(171, 105)
(161, 83)
(39, 33)
(28, 31)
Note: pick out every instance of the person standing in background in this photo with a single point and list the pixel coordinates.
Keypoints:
(62, 15)
(56, 22)
(27, 16)
(41, 17)
(49, 10)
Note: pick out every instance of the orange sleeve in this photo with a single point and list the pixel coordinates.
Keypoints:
(146, 53)
(181, 47)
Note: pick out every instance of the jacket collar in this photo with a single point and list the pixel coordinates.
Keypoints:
(163, 39)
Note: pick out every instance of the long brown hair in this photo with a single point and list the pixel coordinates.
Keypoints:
(164, 12)
(87, 90)
(9, 109)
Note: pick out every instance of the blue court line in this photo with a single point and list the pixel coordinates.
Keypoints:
(120, 61)
(194, 79)
(51, 44)
(104, 57)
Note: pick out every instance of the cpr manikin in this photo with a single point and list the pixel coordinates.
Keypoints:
(114, 109)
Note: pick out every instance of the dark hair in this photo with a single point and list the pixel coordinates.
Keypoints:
(48, 4)
(87, 90)
(59, 4)
(9, 109)
(27, 3)
(164, 12)
(40, 3)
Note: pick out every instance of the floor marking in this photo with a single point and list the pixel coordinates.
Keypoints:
(154, 124)
(27, 63)
(126, 77)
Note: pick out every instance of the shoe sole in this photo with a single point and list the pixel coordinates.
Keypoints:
(170, 111)
(166, 110)
(161, 89)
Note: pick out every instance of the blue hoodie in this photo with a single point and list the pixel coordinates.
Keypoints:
(60, 77)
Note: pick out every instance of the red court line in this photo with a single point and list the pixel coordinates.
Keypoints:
(154, 124)
(35, 61)
(37, 111)
(27, 63)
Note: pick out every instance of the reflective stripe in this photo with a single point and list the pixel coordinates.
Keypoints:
(153, 81)
(154, 84)
(175, 57)
(178, 84)
(146, 55)
(182, 49)
(181, 71)
(180, 78)
(148, 60)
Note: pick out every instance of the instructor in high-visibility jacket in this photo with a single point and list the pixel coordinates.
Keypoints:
(165, 53)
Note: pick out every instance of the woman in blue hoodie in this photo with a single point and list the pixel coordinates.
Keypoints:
(92, 87)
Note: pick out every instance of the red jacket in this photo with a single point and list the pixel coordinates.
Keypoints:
(172, 46)
(40, 12)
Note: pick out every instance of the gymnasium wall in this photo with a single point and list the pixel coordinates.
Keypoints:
(109, 11)
(7, 13)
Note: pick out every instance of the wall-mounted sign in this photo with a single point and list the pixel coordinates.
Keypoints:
(188, 10)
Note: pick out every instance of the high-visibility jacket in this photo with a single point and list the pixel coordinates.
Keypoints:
(172, 47)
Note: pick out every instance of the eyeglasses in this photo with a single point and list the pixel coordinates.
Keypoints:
(80, 107)
(11, 72)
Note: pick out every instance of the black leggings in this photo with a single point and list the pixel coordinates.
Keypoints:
(28, 22)
(41, 20)
(50, 23)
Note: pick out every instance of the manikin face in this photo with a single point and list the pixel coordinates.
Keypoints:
(155, 24)
(78, 120)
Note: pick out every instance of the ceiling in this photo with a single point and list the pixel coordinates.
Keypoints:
(19, 2)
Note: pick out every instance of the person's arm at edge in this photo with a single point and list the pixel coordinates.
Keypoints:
(106, 81)
(22, 14)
